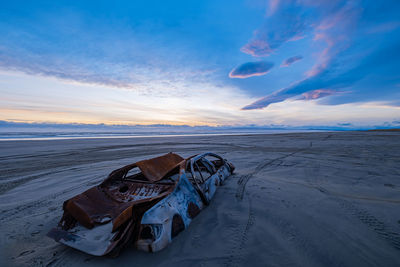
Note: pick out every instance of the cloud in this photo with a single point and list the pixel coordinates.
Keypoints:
(286, 94)
(265, 101)
(348, 57)
(272, 36)
(335, 31)
(381, 65)
(257, 48)
(148, 77)
(291, 20)
(290, 61)
(250, 69)
(68, 46)
(65, 70)
(307, 86)
(272, 7)
(316, 94)
(285, 21)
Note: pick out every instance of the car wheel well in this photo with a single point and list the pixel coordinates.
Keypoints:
(177, 225)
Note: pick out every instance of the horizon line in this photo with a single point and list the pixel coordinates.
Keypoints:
(77, 125)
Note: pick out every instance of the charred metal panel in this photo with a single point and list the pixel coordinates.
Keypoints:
(124, 192)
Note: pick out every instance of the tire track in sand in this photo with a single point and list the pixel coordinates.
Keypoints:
(235, 257)
(373, 223)
(245, 178)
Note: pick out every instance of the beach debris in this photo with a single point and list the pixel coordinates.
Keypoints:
(146, 203)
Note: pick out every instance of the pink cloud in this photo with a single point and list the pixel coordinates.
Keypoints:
(250, 69)
(265, 101)
(323, 61)
(282, 95)
(296, 38)
(336, 27)
(334, 31)
(316, 94)
(257, 48)
(274, 32)
(272, 7)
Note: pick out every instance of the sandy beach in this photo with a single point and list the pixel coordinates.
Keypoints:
(298, 199)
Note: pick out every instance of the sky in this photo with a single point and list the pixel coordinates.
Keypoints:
(209, 62)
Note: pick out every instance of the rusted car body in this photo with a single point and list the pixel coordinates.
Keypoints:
(146, 203)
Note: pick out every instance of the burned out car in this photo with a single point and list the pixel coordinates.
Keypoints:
(146, 203)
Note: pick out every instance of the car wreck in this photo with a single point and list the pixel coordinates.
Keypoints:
(146, 204)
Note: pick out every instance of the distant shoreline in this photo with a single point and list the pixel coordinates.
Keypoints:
(41, 136)
(78, 136)
(385, 130)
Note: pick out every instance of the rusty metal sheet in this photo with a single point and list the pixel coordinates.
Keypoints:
(155, 169)
(101, 205)
(113, 199)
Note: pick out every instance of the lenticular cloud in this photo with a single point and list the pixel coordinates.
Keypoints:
(250, 69)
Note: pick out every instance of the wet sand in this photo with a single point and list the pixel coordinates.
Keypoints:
(299, 199)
